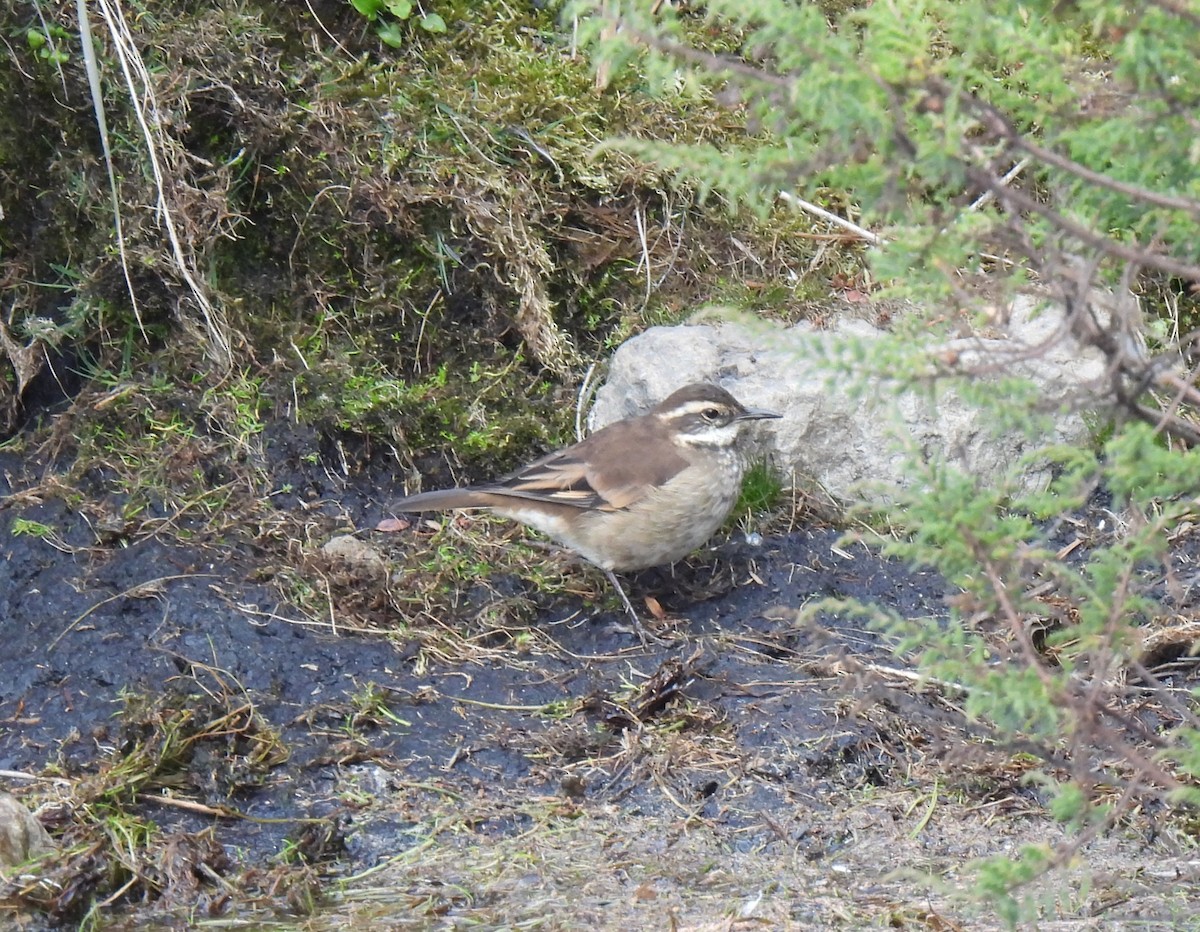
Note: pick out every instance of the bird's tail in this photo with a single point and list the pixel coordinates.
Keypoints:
(443, 500)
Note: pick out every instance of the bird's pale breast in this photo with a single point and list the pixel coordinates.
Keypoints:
(668, 524)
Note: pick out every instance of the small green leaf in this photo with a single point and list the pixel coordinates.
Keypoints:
(431, 22)
(368, 8)
(35, 39)
(401, 9)
(390, 33)
(22, 527)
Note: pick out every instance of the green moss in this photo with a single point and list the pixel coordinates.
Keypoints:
(761, 490)
(472, 414)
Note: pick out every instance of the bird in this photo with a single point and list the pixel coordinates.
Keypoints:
(641, 492)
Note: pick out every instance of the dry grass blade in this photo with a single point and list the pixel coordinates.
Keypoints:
(145, 107)
(93, 73)
(151, 588)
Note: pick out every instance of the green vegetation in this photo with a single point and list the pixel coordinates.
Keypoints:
(162, 745)
(20, 526)
(762, 490)
(400, 11)
(992, 150)
(48, 45)
(373, 704)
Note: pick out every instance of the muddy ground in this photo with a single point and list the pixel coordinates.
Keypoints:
(748, 771)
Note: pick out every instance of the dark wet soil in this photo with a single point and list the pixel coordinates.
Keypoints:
(91, 625)
(312, 741)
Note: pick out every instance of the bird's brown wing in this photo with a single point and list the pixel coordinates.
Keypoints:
(610, 470)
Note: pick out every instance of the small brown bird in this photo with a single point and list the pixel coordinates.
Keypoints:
(638, 493)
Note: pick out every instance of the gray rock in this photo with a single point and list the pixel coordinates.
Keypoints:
(356, 553)
(850, 442)
(21, 835)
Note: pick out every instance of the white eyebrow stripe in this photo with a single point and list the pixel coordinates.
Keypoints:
(699, 407)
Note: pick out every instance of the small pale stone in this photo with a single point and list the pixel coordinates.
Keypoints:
(21, 835)
(355, 553)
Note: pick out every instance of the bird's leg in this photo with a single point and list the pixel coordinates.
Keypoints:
(642, 633)
(645, 636)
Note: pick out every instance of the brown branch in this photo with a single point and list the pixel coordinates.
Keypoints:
(1105, 181)
(1001, 127)
(708, 60)
(1178, 10)
(1012, 616)
(1163, 694)
(1018, 200)
(1085, 705)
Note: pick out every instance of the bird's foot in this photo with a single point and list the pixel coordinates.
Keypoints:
(646, 637)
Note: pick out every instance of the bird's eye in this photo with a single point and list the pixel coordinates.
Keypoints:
(711, 414)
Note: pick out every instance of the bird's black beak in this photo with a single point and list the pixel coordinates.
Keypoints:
(756, 415)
